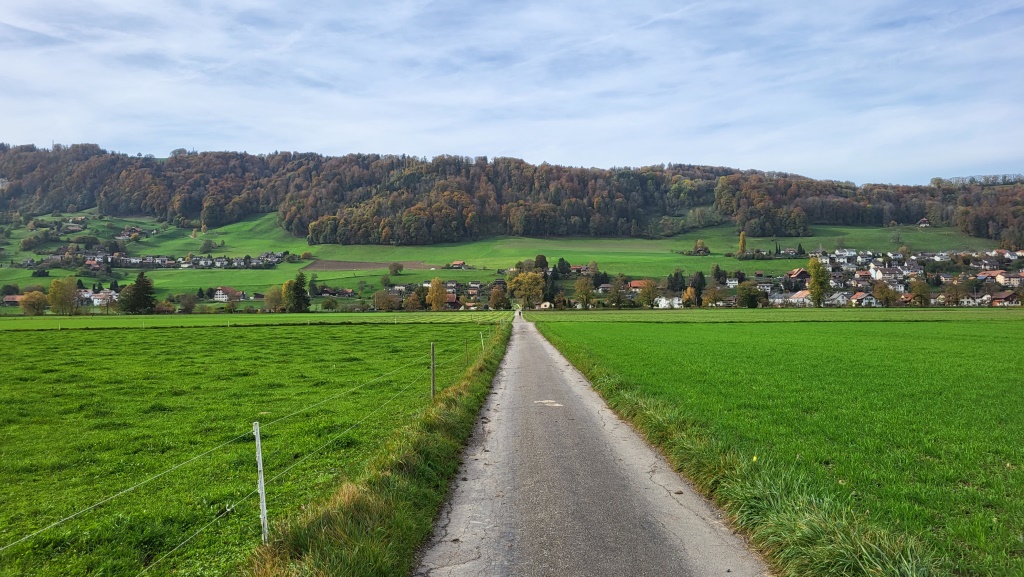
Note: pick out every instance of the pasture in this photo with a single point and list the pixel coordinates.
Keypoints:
(898, 428)
(87, 414)
(630, 256)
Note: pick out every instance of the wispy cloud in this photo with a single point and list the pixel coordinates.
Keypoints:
(868, 91)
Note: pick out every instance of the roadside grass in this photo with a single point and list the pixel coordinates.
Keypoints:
(375, 524)
(877, 447)
(85, 414)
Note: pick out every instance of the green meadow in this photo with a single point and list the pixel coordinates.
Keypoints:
(886, 444)
(88, 414)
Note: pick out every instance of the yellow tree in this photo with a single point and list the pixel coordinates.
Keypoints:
(689, 297)
(743, 243)
(437, 298)
(63, 296)
(528, 286)
(648, 292)
(33, 304)
(272, 300)
(584, 291)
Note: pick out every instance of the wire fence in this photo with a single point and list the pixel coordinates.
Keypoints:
(419, 384)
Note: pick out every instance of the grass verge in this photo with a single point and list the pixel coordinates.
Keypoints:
(803, 528)
(375, 524)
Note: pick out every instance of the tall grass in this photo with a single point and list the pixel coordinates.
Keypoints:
(374, 525)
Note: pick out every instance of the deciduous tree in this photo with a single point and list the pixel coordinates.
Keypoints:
(33, 304)
(273, 300)
(437, 297)
(498, 299)
(648, 293)
(818, 283)
(63, 296)
(584, 291)
(528, 287)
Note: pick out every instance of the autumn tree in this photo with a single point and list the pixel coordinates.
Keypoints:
(689, 297)
(437, 297)
(921, 292)
(385, 301)
(884, 294)
(498, 299)
(743, 243)
(818, 283)
(584, 291)
(395, 268)
(617, 294)
(63, 296)
(528, 287)
(33, 303)
(648, 293)
(712, 296)
(413, 302)
(273, 300)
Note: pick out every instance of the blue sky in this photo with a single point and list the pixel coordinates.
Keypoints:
(867, 91)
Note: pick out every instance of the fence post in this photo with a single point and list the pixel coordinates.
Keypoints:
(259, 482)
(467, 352)
(481, 341)
(432, 380)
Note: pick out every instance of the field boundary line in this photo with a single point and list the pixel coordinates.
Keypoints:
(354, 425)
(118, 494)
(286, 469)
(203, 454)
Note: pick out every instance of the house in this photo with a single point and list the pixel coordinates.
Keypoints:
(778, 299)
(636, 285)
(225, 294)
(1010, 279)
(668, 303)
(990, 275)
(104, 298)
(604, 288)
(969, 301)
(765, 287)
(12, 300)
(798, 274)
(839, 299)
(863, 299)
(458, 264)
(800, 299)
(1005, 299)
(732, 283)
(923, 223)
(545, 306)
(452, 302)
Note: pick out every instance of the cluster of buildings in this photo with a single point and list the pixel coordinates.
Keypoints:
(97, 261)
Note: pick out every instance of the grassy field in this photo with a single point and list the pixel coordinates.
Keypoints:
(85, 414)
(634, 257)
(891, 442)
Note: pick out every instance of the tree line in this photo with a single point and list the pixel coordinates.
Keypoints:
(398, 199)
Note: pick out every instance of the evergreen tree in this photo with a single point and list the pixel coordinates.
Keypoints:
(138, 298)
(295, 295)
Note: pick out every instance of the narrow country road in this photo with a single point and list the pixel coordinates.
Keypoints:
(553, 483)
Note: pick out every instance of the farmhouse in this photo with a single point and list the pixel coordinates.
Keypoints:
(12, 300)
(225, 294)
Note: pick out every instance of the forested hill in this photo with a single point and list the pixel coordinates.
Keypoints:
(387, 199)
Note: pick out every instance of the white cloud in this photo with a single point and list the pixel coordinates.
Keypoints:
(871, 91)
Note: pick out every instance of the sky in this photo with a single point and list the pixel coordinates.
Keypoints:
(867, 91)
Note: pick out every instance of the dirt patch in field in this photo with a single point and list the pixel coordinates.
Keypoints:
(329, 265)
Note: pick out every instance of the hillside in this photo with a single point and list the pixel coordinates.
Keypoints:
(402, 200)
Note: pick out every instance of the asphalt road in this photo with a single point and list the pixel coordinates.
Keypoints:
(553, 483)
